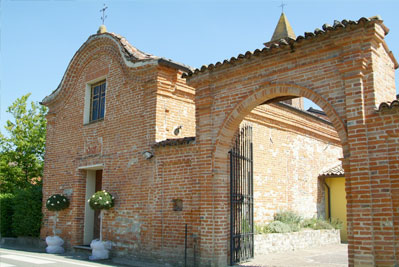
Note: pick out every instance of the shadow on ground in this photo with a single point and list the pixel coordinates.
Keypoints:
(326, 256)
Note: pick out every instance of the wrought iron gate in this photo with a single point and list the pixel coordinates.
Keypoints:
(241, 197)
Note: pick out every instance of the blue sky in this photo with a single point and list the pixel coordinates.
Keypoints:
(39, 38)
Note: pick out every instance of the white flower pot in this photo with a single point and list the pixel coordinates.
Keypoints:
(100, 249)
(54, 245)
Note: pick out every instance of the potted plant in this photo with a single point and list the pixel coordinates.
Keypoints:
(56, 203)
(101, 200)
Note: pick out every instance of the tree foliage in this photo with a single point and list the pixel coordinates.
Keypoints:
(22, 148)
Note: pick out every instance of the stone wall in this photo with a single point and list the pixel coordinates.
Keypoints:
(270, 243)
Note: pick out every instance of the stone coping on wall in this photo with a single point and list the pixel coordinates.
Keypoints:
(271, 243)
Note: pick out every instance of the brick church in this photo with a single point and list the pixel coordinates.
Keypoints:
(160, 136)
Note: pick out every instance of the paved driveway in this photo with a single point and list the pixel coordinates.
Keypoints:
(326, 256)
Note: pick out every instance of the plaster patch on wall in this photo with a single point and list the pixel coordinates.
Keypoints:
(124, 225)
(132, 161)
(68, 192)
(100, 141)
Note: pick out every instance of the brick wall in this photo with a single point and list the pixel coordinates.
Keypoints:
(175, 106)
(144, 104)
(117, 141)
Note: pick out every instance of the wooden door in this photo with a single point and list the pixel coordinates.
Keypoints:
(96, 228)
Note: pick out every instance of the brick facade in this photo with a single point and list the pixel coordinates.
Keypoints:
(347, 71)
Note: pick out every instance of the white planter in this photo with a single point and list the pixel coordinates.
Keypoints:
(100, 249)
(54, 244)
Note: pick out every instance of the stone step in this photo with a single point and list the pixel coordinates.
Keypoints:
(82, 250)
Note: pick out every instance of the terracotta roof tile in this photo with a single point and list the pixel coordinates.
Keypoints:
(175, 141)
(389, 106)
(338, 25)
(131, 51)
(335, 171)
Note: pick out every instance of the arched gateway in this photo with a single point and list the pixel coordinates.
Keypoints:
(348, 70)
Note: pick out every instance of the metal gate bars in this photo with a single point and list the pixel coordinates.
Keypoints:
(241, 197)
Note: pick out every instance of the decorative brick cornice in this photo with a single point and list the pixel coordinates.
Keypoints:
(175, 142)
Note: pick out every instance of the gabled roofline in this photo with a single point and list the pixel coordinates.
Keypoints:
(132, 57)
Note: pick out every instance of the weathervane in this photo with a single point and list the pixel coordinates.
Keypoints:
(282, 6)
(103, 17)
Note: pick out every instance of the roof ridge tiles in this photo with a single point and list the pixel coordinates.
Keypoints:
(335, 171)
(338, 25)
(389, 106)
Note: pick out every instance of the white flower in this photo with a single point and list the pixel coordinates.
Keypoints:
(53, 196)
(100, 198)
(88, 200)
(113, 198)
(95, 203)
(52, 204)
(107, 202)
(104, 191)
(48, 201)
(64, 200)
(58, 202)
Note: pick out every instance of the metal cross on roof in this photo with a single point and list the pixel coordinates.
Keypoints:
(103, 17)
(282, 6)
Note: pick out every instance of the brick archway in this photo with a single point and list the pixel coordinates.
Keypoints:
(266, 92)
(348, 72)
(228, 129)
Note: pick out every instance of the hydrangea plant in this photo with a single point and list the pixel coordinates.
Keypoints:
(101, 200)
(57, 202)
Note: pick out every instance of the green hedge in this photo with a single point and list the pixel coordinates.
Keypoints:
(6, 213)
(27, 216)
